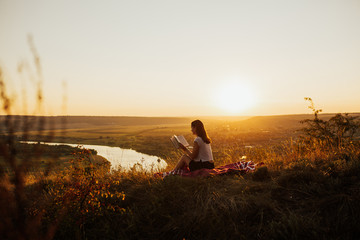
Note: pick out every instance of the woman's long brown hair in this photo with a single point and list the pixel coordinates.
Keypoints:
(200, 130)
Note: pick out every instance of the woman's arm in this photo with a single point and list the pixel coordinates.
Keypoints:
(195, 151)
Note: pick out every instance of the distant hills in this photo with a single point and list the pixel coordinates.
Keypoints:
(281, 121)
(78, 122)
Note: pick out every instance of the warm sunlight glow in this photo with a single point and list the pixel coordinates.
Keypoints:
(235, 97)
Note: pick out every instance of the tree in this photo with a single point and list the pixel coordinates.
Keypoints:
(337, 132)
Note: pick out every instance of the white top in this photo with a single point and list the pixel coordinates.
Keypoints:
(205, 152)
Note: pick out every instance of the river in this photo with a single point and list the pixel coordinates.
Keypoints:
(120, 157)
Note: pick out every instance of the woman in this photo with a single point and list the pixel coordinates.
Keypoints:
(201, 156)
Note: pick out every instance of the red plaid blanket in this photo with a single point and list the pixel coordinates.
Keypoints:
(241, 166)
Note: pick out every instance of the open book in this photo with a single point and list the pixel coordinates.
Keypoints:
(179, 139)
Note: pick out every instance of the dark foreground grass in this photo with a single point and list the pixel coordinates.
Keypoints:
(299, 202)
(293, 204)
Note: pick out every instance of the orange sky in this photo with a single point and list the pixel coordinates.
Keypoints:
(181, 58)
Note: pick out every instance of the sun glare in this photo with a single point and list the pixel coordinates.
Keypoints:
(235, 97)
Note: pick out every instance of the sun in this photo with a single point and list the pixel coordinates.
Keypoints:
(235, 97)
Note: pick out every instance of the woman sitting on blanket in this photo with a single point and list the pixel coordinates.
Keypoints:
(201, 156)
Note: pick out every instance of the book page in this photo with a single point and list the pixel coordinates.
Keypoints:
(174, 141)
(182, 140)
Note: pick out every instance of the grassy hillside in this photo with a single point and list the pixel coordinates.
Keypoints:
(307, 189)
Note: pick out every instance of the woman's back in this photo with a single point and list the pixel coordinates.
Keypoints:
(205, 151)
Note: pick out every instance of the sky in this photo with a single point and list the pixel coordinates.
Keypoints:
(183, 58)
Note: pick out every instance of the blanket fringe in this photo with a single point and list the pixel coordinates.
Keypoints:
(243, 166)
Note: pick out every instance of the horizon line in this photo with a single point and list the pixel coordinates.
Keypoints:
(187, 116)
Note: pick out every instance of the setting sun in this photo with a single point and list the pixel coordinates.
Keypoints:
(235, 97)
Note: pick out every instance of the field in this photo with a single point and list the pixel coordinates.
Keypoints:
(308, 187)
(151, 135)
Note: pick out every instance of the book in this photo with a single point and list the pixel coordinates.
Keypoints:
(179, 139)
